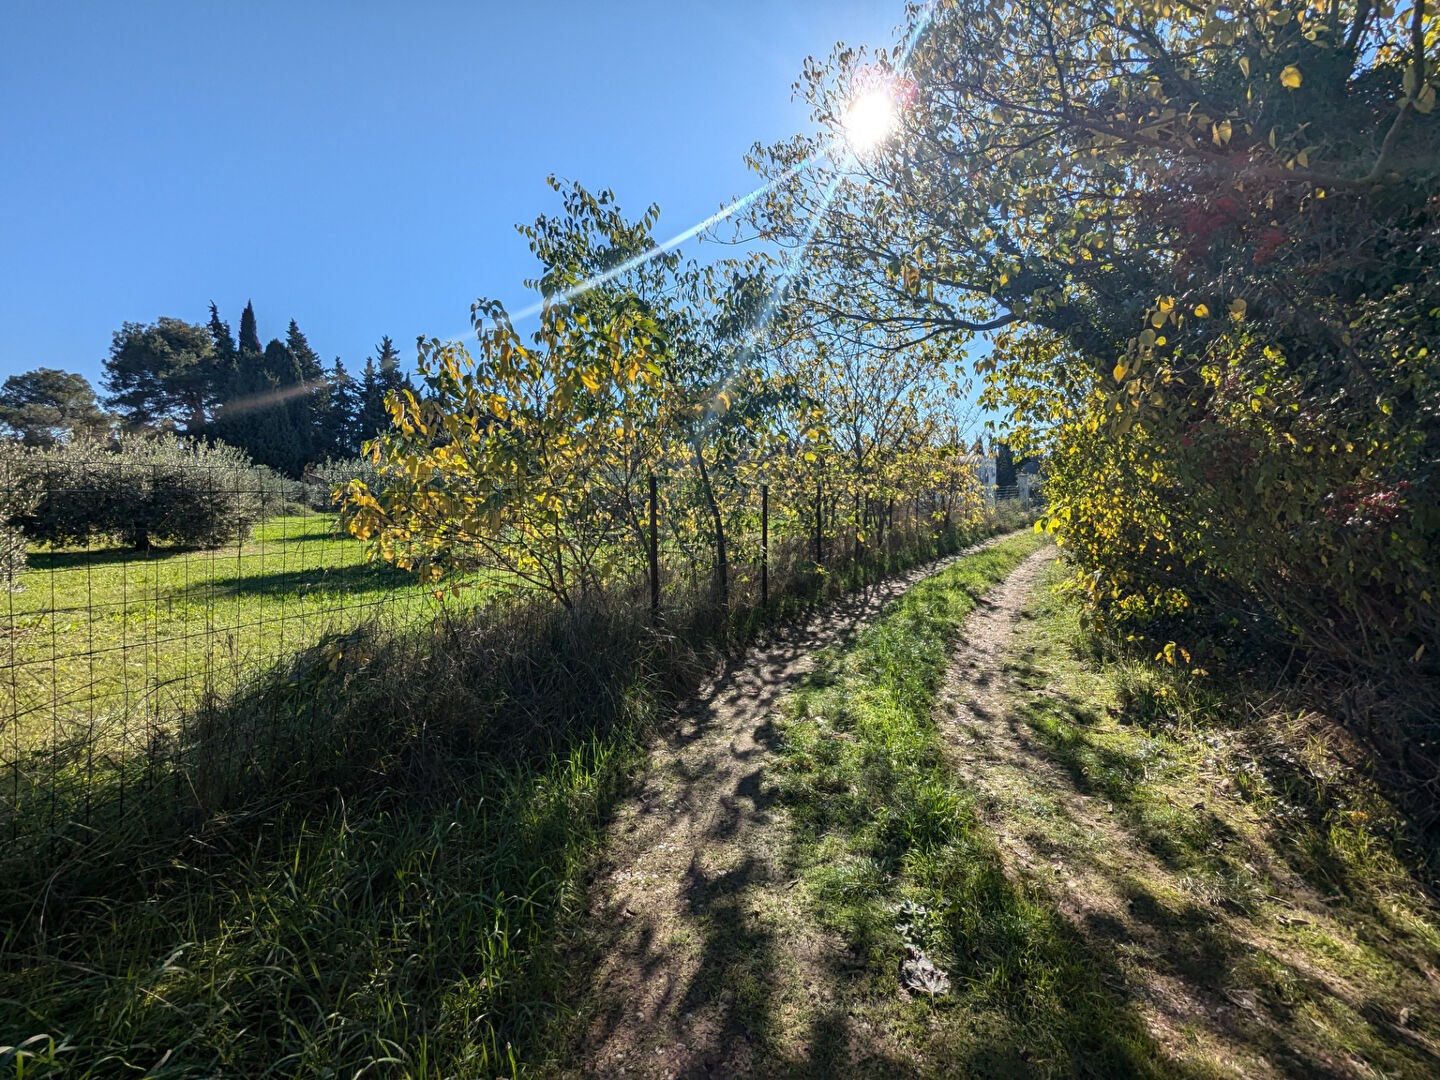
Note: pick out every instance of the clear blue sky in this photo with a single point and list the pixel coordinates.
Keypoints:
(358, 166)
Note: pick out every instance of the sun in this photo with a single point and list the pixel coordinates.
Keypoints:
(869, 119)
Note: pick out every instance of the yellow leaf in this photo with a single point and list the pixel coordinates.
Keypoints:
(1202, 311)
(1237, 308)
(1245, 66)
(1290, 77)
(1119, 372)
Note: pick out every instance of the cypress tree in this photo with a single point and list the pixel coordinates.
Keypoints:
(305, 408)
(1005, 467)
(249, 332)
(273, 437)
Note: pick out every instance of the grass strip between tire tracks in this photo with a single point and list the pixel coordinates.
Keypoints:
(892, 856)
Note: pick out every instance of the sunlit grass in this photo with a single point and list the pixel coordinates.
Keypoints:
(110, 638)
(895, 859)
(1253, 814)
(1275, 883)
(393, 891)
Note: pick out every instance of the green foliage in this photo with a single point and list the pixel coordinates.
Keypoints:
(163, 375)
(271, 397)
(17, 498)
(275, 402)
(534, 458)
(381, 377)
(337, 433)
(249, 331)
(45, 406)
(328, 482)
(149, 490)
(1208, 240)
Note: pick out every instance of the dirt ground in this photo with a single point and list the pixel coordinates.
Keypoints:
(704, 959)
(696, 874)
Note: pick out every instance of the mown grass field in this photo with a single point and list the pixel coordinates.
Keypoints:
(114, 639)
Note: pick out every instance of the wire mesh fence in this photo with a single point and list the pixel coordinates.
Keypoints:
(145, 598)
(154, 590)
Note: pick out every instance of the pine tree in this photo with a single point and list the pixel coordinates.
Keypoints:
(382, 375)
(337, 423)
(311, 371)
(372, 416)
(223, 339)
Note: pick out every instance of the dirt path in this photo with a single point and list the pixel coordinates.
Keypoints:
(1083, 857)
(1180, 955)
(700, 937)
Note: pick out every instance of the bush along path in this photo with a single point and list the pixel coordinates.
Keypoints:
(702, 952)
(969, 845)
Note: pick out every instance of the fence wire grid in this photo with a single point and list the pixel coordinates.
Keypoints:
(145, 595)
(109, 645)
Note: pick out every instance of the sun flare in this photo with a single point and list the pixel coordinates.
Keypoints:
(869, 119)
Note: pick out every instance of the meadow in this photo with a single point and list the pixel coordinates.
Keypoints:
(116, 641)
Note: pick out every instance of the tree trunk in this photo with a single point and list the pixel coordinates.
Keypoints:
(819, 523)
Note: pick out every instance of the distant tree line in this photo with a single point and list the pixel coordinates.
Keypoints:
(277, 402)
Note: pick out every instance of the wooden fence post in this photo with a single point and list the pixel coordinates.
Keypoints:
(654, 555)
(819, 524)
(765, 545)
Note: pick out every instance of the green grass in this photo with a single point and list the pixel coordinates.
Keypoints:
(1255, 874)
(895, 859)
(389, 891)
(1275, 868)
(110, 638)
